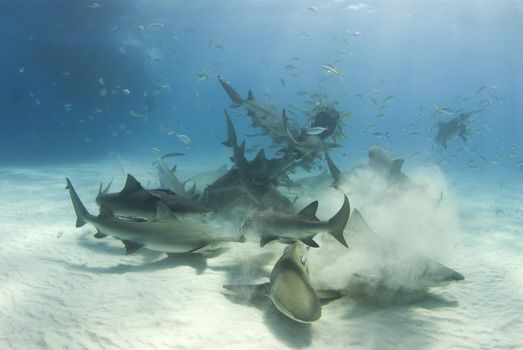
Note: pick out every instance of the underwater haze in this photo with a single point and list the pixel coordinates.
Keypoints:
(275, 174)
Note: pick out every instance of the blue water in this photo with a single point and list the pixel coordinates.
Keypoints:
(455, 54)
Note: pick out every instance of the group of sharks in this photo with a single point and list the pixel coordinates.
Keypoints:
(180, 218)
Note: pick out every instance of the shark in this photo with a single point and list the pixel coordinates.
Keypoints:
(453, 128)
(308, 145)
(426, 272)
(165, 233)
(168, 178)
(289, 287)
(269, 120)
(135, 201)
(258, 185)
(305, 143)
(273, 225)
(383, 165)
(255, 176)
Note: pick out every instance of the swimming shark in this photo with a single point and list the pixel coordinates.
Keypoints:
(258, 185)
(274, 225)
(383, 165)
(261, 165)
(168, 178)
(262, 116)
(424, 271)
(204, 179)
(453, 128)
(255, 176)
(289, 287)
(306, 144)
(166, 233)
(309, 145)
(135, 201)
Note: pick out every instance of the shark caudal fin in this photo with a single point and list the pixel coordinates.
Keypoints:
(237, 100)
(81, 212)
(338, 222)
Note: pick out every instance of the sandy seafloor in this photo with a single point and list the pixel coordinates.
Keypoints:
(60, 288)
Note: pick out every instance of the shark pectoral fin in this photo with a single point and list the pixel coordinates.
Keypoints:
(131, 185)
(266, 239)
(163, 212)
(208, 251)
(131, 247)
(328, 295)
(201, 249)
(100, 235)
(310, 242)
(309, 211)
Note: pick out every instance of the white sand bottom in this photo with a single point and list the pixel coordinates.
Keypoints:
(60, 288)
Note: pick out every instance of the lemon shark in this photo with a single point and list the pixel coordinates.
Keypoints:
(135, 201)
(166, 233)
(168, 178)
(262, 116)
(453, 128)
(424, 271)
(289, 287)
(275, 225)
(255, 176)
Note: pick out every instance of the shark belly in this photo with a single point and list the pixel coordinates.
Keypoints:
(295, 298)
(155, 236)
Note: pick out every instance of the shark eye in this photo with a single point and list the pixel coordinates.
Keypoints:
(303, 259)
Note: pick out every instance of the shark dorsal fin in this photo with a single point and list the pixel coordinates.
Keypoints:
(131, 185)
(163, 212)
(395, 168)
(250, 96)
(260, 157)
(106, 189)
(309, 211)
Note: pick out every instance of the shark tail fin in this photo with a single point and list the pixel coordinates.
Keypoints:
(338, 222)
(79, 208)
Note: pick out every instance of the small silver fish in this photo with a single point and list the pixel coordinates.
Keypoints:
(155, 25)
(186, 140)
